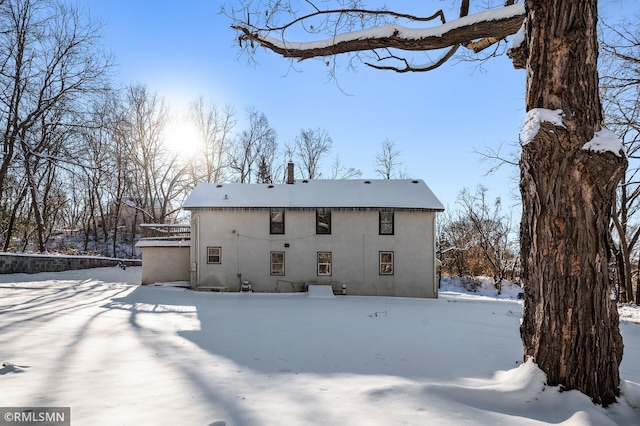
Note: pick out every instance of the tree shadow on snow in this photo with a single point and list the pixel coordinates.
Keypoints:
(293, 333)
(169, 301)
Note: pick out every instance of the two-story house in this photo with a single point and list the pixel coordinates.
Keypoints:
(362, 237)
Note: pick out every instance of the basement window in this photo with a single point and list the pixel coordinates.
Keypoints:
(277, 263)
(324, 263)
(214, 255)
(386, 263)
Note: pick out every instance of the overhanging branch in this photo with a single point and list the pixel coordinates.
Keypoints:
(493, 24)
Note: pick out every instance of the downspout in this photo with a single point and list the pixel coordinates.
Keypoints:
(238, 273)
(363, 262)
(198, 251)
(435, 259)
(195, 270)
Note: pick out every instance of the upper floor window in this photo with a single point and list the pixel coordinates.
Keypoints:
(386, 222)
(323, 221)
(276, 221)
(214, 255)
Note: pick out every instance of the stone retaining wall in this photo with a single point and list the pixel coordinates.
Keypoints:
(11, 263)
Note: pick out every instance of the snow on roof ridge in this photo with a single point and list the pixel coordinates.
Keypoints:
(368, 193)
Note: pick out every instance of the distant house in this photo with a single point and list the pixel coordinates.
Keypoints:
(362, 237)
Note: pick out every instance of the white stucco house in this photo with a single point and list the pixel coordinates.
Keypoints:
(361, 237)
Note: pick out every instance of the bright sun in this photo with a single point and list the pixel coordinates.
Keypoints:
(182, 138)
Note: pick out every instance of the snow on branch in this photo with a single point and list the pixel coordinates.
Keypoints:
(534, 118)
(492, 24)
(605, 141)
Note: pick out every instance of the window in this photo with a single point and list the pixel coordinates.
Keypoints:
(276, 221)
(214, 254)
(386, 222)
(324, 263)
(323, 221)
(386, 263)
(277, 263)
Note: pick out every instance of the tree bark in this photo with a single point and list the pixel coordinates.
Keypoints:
(570, 325)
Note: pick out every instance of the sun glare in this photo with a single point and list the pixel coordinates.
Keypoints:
(182, 138)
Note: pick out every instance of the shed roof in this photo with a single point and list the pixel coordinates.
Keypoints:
(349, 193)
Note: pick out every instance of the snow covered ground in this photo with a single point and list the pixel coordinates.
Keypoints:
(121, 354)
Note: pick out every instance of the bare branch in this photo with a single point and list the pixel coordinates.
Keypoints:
(408, 67)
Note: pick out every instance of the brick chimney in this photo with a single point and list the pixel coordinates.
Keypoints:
(290, 179)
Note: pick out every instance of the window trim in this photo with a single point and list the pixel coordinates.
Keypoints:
(327, 213)
(380, 222)
(381, 263)
(272, 263)
(210, 256)
(324, 264)
(272, 223)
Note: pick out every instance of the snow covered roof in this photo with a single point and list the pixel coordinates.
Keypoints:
(349, 193)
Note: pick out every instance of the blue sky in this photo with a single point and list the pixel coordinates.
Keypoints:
(437, 119)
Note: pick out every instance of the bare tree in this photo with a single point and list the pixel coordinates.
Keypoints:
(259, 138)
(568, 182)
(455, 241)
(309, 148)
(492, 230)
(338, 171)
(50, 63)
(119, 184)
(215, 128)
(620, 88)
(156, 176)
(388, 164)
(104, 145)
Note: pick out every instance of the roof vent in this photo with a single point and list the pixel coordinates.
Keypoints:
(219, 185)
(270, 186)
(367, 181)
(305, 181)
(415, 181)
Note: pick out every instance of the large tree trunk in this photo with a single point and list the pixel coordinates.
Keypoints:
(570, 325)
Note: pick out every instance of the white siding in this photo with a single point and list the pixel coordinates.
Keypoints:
(164, 263)
(354, 243)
